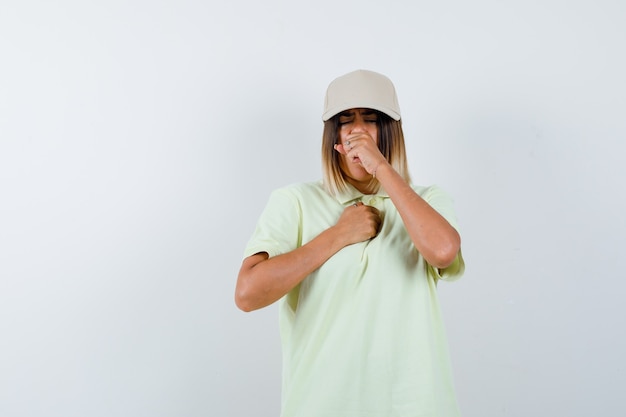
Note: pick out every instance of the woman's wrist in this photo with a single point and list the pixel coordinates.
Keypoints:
(381, 169)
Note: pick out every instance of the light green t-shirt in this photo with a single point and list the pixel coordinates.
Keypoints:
(363, 335)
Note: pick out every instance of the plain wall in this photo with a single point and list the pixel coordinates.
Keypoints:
(139, 142)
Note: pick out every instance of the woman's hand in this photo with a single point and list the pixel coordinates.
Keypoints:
(358, 223)
(361, 148)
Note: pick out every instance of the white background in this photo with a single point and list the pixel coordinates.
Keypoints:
(139, 141)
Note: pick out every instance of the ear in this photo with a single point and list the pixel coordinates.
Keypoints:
(339, 148)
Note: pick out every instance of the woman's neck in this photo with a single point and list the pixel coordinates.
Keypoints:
(365, 187)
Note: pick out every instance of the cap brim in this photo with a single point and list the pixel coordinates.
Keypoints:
(347, 106)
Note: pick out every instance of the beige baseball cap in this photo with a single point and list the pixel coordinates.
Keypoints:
(361, 89)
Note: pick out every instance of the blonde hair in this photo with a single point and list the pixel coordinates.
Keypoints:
(390, 143)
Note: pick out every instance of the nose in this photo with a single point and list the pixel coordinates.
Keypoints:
(358, 126)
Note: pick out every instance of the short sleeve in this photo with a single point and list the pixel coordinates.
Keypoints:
(278, 230)
(443, 204)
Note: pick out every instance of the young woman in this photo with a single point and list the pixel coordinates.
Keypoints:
(354, 260)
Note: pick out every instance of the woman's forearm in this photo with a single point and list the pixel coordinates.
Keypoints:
(263, 280)
(432, 235)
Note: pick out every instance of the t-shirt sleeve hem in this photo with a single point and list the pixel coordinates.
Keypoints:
(253, 250)
(452, 272)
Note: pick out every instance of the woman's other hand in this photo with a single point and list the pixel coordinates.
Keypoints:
(358, 223)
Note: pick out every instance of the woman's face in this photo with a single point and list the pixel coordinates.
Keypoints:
(355, 123)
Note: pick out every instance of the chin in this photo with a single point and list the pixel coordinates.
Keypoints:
(357, 174)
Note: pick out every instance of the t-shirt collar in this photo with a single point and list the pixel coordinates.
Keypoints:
(351, 194)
